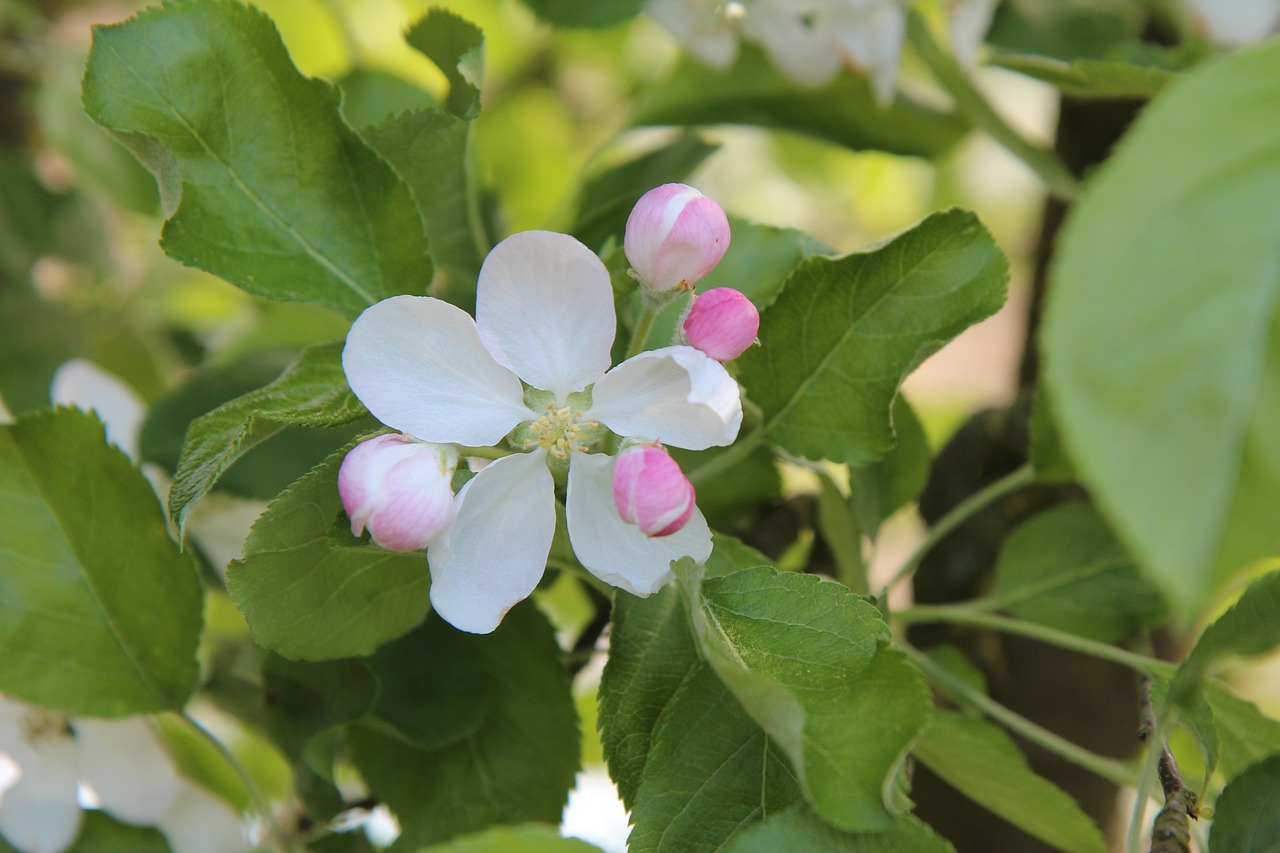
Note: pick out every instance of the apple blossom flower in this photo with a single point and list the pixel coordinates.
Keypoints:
(399, 489)
(650, 491)
(1232, 23)
(722, 323)
(675, 235)
(125, 768)
(533, 367)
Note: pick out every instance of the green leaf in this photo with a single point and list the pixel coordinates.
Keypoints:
(101, 612)
(607, 198)
(311, 392)
(1082, 28)
(304, 699)
(101, 833)
(981, 761)
(371, 95)
(1245, 817)
(519, 762)
(711, 771)
(1064, 568)
(310, 596)
(797, 830)
(264, 184)
(1231, 732)
(429, 149)
(724, 499)
(1047, 454)
(456, 46)
(1249, 627)
(809, 661)
(1163, 358)
(528, 838)
(879, 489)
(651, 654)
(1090, 78)
(759, 260)
(754, 92)
(584, 13)
(846, 331)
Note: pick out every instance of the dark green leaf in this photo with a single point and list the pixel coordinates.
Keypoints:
(607, 198)
(1231, 732)
(980, 761)
(759, 260)
(1163, 359)
(312, 597)
(1091, 78)
(101, 833)
(711, 771)
(1064, 568)
(1245, 818)
(808, 660)
(304, 699)
(585, 13)
(724, 499)
(311, 392)
(516, 766)
(879, 489)
(754, 92)
(1048, 455)
(264, 184)
(1249, 627)
(797, 830)
(528, 838)
(846, 331)
(1082, 28)
(101, 612)
(456, 46)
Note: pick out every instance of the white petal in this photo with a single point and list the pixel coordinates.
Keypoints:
(617, 552)
(40, 814)
(544, 306)
(871, 37)
(82, 383)
(418, 365)
(199, 822)
(804, 54)
(675, 395)
(496, 551)
(969, 22)
(700, 26)
(127, 768)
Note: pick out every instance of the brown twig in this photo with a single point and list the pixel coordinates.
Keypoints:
(1171, 831)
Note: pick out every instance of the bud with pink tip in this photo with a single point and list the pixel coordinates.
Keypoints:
(651, 491)
(722, 323)
(675, 235)
(399, 490)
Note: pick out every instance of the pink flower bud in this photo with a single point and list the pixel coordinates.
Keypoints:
(399, 489)
(651, 491)
(722, 323)
(675, 236)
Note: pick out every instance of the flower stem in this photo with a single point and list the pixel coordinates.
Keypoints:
(975, 106)
(276, 838)
(734, 454)
(961, 513)
(1108, 768)
(485, 452)
(969, 615)
(644, 325)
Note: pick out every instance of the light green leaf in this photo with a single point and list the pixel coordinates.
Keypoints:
(760, 259)
(1162, 329)
(797, 830)
(846, 331)
(754, 92)
(1064, 568)
(584, 13)
(1231, 732)
(607, 198)
(304, 699)
(711, 772)
(311, 592)
(99, 611)
(528, 838)
(980, 761)
(456, 46)
(1090, 78)
(809, 661)
(519, 762)
(263, 182)
(312, 391)
(1245, 817)
(101, 833)
(1249, 627)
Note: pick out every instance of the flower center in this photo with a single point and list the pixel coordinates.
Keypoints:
(560, 431)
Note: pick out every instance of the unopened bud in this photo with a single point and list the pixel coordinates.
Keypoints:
(651, 491)
(675, 235)
(399, 490)
(722, 323)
